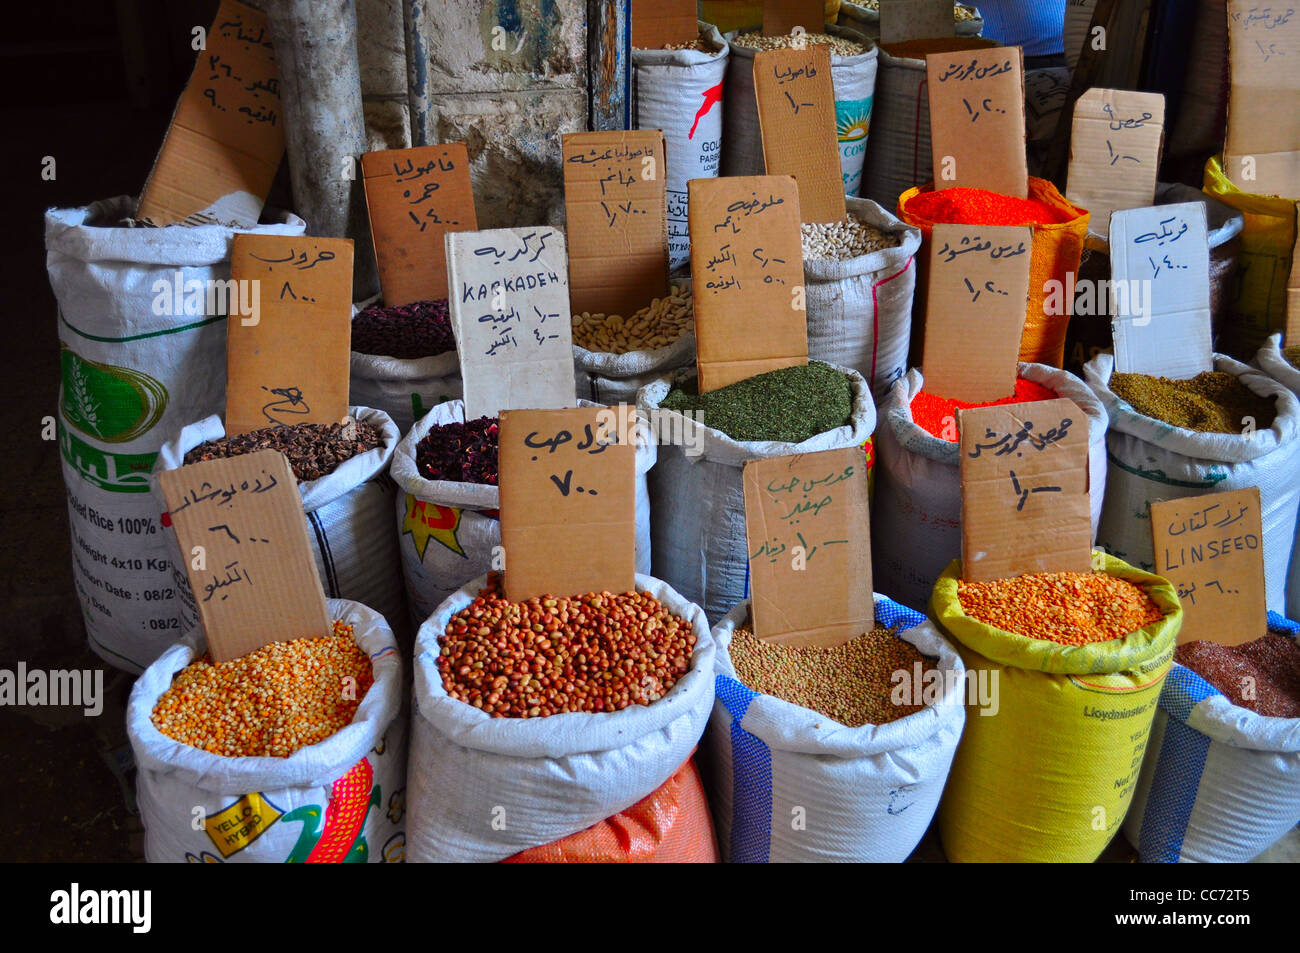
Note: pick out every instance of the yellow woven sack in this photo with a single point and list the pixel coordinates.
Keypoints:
(1050, 776)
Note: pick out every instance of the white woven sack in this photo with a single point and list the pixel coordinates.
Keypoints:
(444, 531)
(697, 502)
(605, 378)
(789, 785)
(278, 810)
(349, 522)
(866, 20)
(1269, 359)
(484, 788)
(131, 376)
(1152, 460)
(916, 511)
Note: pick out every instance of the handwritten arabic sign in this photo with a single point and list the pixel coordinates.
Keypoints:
(977, 120)
(415, 196)
(747, 271)
(226, 138)
(1211, 548)
(656, 23)
(1160, 271)
(289, 362)
(568, 504)
(615, 205)
(509, 298)
(975, 311)
(242, 533)
(809, 547)
(915, 19)
(780, 17)
(1024, 490)
(1114, 152)
(796, 116)
(1263, 143)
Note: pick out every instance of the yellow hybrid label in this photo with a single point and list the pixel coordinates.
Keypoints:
(234, 828)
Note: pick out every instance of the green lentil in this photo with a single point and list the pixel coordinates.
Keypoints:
(1210, 402)
(851, 683)
(790, 405)
(1292, 355)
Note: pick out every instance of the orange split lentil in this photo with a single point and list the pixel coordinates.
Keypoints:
(272, 701)
(1069, 608)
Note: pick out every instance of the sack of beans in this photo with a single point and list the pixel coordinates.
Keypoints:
(853, 76)
(859, 277)
(1283, 365)
(615, 356)
(898, 153)
(342, 472)
(671, 825)
(142, 331)
(403, 359)
(1075, 662)
(1060, 228)
(1222, 430)
(916, 510)
(502, 763)
(1221, 779)
(697, 498)
(835, 754)
(679, 89)
(308, 779)
(865, 18)
(448, 530)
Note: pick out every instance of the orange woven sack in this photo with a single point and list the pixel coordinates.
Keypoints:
(671, 825)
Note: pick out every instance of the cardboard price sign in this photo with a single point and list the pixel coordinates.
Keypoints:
(975, 312)
(1024, 490)
(415, 196)
(902, 20)
(568, 503)
(656, 23)
(1114, 152)
(1211, 548)
(780, 17)
(1160, 277)
(290, 362)
(796, 117)
(977, 120)
(616, 205)
(809, 541)
(747, 272)
(226, 137)
(509, 300)
(1262, 155)
(241, 529)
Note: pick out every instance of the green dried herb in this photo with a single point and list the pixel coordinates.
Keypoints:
(789, 405)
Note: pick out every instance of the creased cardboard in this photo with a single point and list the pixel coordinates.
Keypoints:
(1160, 276)
(240, 525)
(415, 196)
(568, 504)
(902, 20)
(1211, 547)
(780, 17)
(747, 274)
(226, 137)
(977, 120)
(1262, 154)
(1114, 152)
(509, 302)
(289, 363)
(1024, 490)
(808, 530)
(656, 23)
(975, 310)
(616, 207)
(796, 117)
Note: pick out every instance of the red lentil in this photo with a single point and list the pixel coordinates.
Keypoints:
(268, 703)
(932, 413)
(964, 206)
(1070, 608)
(1272, 664)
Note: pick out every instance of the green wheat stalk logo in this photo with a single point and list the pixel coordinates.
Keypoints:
(87, 406)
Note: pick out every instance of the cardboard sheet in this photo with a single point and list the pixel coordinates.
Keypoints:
(656, 23)
(1292, 335)
(780, 17)
(1114, 152)
(977, 119)
(902, 20)
(1263, 118)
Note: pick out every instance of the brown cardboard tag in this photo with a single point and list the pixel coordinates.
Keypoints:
(227, 136)
(289, 363)
(240, 525)
(977, 120)
(902, 20)
(1024, 490)
(796, 116)
(1262, 154)
(656, 23)
(415, 196)
(747, 272)
(1211, 547)
(809, 541)
(509, 302)
(975, 310)
(780, 17)
(1114, 152)
(568, 503)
